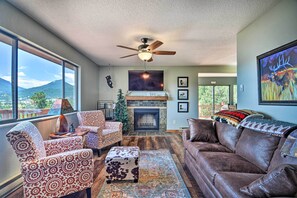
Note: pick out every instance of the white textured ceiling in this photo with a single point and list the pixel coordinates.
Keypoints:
(202, 32)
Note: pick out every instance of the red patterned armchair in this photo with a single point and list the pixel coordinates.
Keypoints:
(51, 168)
(101, 133)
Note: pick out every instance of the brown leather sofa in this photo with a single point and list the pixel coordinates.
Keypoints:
(240, 157)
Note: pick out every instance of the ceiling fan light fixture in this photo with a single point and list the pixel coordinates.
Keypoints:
(145, 55)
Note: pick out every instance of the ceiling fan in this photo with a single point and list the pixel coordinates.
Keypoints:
(145, 51)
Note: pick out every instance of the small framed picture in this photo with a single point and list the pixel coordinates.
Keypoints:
(182, 81)
(183, 107)
(182, 94)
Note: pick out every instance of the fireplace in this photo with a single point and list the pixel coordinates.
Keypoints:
(146, 119)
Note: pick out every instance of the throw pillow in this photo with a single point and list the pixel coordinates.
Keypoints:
(202, 130)
(280, 182)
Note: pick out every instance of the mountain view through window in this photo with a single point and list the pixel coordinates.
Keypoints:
(40, 81)
(5, 78)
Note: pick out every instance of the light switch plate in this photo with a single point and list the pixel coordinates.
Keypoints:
(241, 87)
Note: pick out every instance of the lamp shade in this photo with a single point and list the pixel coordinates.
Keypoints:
(145, 55)
(60, 106)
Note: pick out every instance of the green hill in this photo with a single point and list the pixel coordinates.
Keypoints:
(51, 90)
(5, 87)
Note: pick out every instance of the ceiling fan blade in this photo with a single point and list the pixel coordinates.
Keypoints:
(154, 45)
(127, 47)
(164, 52)
(128, 55)
(150, 60)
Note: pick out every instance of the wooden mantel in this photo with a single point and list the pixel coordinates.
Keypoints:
(146, 97)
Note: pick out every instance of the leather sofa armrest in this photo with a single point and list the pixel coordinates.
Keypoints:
(186, 134)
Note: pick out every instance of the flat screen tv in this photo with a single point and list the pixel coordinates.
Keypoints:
(138, 83)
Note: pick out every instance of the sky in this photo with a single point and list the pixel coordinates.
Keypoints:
(33, 71)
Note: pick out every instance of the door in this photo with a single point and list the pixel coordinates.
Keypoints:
(211, 99)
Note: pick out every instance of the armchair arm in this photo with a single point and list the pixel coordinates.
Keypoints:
(186, 134)
(93, 129)
(56, 146)
(64, 162)
(113, 125)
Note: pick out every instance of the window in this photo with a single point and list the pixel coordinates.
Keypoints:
(41, 78)
(234, 94)
(39, 81)
(6, 97)
(70, 84)
(212, 99)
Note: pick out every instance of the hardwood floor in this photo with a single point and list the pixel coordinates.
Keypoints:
(170, 141)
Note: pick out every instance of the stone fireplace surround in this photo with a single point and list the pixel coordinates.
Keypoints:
(148, 104)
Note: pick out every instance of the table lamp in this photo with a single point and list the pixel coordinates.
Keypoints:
(60, 107)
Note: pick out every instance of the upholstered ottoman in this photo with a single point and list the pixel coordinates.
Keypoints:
(121, 163)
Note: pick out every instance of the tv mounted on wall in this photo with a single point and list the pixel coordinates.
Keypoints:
(138, 83)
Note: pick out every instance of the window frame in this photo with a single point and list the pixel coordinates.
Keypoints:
(14, 75)
(75, 80)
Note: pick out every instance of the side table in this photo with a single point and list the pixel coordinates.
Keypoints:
(77, 132)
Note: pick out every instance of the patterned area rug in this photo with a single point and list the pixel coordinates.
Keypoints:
(159, 177)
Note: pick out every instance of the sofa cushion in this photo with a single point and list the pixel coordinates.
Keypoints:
(284, 177)
(278, 159)
(194, 147)
(257, 147)
(213, 162)
(229, 183)
(228, 135)
(202, 130)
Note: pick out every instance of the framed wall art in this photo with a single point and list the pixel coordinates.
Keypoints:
(182, 81)
(183, 107)
(277, 76)
(182, 94)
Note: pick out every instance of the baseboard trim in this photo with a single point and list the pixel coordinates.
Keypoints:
(11, 185)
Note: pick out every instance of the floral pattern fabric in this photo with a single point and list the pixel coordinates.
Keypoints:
(56, 146)
(122, 163)
(26, 141)
(52, 173)
(101, 133)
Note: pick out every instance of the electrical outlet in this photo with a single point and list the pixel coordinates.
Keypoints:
(174, 121)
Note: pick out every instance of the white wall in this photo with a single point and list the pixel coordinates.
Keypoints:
(275, 28)
(120, 81)
(15, 21)
(20, 24)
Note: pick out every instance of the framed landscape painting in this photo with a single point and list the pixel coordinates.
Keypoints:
(277, 76)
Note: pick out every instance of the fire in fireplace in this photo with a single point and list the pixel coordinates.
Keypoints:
(146, 119)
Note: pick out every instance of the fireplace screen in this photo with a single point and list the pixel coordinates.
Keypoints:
(146, 119)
